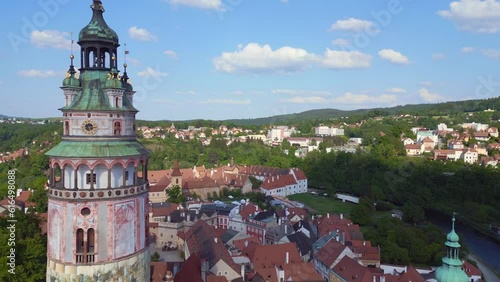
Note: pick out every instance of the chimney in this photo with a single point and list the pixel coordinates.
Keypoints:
(243, 272)
(286, 228)
(168, 218)
(374, 278)
(364, 243)
(204, 270)
(215, 240)
(328, 215)
(287, 258)
(256, 208)
(341, 216)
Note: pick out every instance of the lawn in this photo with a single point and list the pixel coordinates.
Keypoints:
(321, 205)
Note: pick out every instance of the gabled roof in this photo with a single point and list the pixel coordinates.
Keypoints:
(158, 271)
(201, 240)
(163, 209)
(190, 270)
(205, 182)
(279, 181)
(268, 256)
(304, 243)
(303, 271)
(411, 275)
(299, 174)
(351, 271)
(330, 252)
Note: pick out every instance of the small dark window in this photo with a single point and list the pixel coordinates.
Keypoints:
(117, 129)
(93, 180)
(126, 175)
(85, 211)
(90, 240)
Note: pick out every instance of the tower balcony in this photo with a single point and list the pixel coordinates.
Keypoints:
(61, 193)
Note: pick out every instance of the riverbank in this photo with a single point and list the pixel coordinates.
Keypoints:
(488, 274)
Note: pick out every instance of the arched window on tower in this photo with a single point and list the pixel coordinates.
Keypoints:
(80, 246)
(66, 128)
(90, 240)
(117, 129)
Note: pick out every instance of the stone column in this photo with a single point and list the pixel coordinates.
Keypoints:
(92, 179)
(109, 178)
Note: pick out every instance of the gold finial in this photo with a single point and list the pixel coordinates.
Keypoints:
(71, 56)
(113, 58)
(124, 65)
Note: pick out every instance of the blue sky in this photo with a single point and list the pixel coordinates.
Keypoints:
(221, 59)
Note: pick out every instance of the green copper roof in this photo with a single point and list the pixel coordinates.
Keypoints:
(98, 29)
(92, 96)
(450, 274)
(451, 270)
(97, 149)
(70, 80)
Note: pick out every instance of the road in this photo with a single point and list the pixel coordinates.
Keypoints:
(488, 275)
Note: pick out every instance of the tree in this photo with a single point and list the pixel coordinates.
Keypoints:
(174, 195)
(155, 257)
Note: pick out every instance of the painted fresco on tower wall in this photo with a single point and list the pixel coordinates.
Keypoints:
(54, 231)
(125, 216)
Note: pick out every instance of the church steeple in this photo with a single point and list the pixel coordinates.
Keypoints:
(451, 270)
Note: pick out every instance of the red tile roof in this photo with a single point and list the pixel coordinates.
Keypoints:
(351, 271)
(190, 270)
(158, 271)
(330, 252)
(299, 174)
(205, 182)
(279, 181)
(303, 271)
(268, 256)
(470, 269)
(242, 244)
(411, 275)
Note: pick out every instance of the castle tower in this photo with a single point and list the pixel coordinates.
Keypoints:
(98, 188)
(451, 270)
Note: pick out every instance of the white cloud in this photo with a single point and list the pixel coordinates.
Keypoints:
(141, 34)
(354, 25)
(255, 58)
(200, 4)
(396, 90)
(293, 92)
(427, 96)
(426, 83)
(474, 15)
(305, 100)
(491, 53)
(150, 72)
(38, 73)
(438, 56)
(227, 102)
(284, 1)
(341, 42)
(350, 98)
(334, 59)
(133, 61)
(170, 53)
(393, 56)
(468, 49)
(51, 38)
(237, 92)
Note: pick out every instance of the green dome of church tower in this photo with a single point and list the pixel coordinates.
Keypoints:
(451, 270)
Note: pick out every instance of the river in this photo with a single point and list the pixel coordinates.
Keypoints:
(481, 246)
